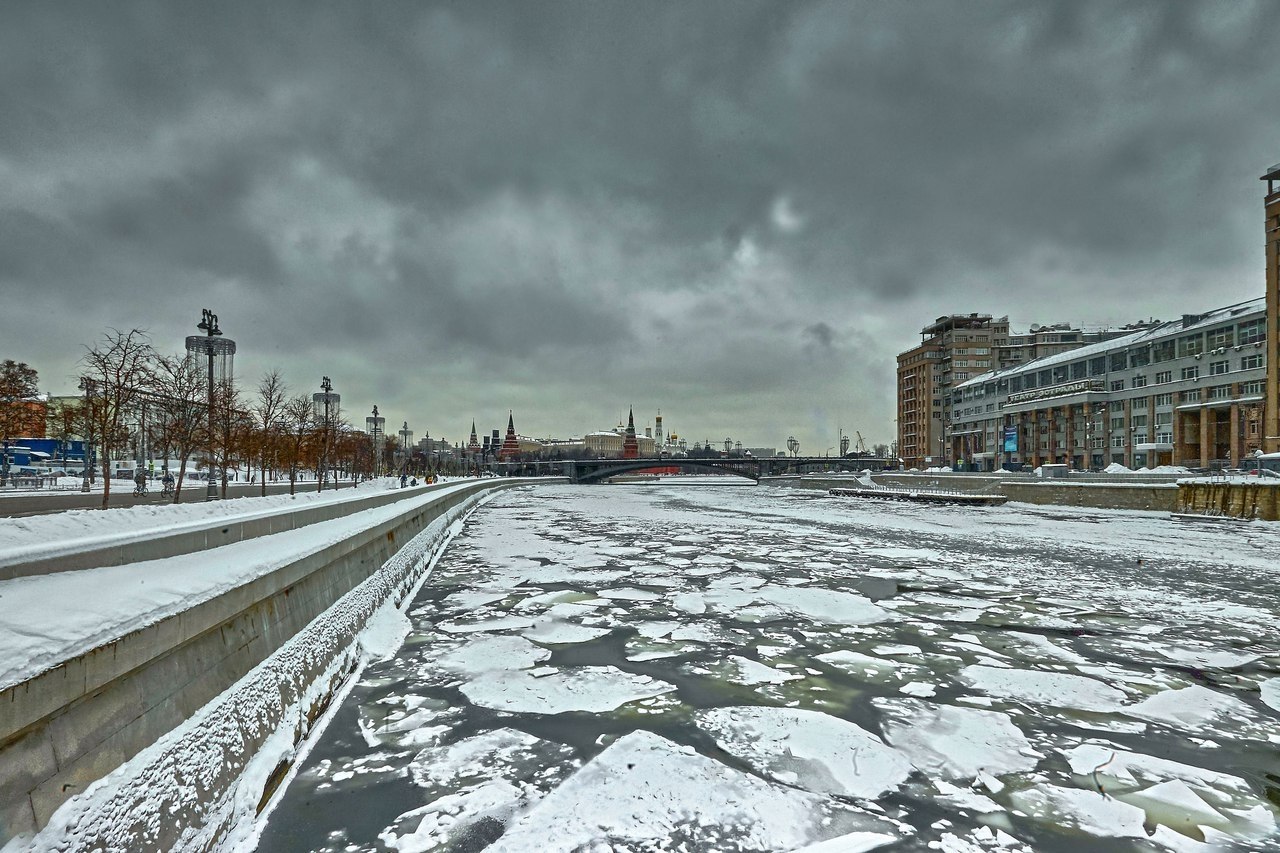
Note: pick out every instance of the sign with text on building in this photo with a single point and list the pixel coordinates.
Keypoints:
(1010, 439)
(1078, 387)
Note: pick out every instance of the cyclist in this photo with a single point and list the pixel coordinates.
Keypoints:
(140, 482)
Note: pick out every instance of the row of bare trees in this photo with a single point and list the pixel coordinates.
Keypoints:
(125, 381)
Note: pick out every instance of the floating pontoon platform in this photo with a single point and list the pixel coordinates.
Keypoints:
(936, 496)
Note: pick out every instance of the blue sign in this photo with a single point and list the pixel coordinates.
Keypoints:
(1011, 439)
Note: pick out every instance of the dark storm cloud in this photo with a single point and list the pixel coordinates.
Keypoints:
(724, 209)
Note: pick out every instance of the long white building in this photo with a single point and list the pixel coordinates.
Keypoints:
(1186, 392)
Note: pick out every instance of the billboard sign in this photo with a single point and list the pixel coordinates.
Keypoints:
(1010, 439)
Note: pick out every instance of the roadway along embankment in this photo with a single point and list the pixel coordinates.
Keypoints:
(87, 713)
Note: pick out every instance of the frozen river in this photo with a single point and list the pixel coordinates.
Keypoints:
(685, 667)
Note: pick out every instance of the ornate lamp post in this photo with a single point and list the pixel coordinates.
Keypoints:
(211, 343)
(327, 402)
(406, 438)
(376, 426)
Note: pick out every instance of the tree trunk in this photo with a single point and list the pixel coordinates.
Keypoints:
(106, 476)
(182, 472)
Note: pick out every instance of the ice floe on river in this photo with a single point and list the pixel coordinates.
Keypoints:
(759, 670)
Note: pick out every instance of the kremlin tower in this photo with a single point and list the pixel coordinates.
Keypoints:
(510, 444)
(473, 446)
(630, 447)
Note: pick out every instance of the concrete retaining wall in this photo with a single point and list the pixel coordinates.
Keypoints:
(1159, 498)
(1260, 499)
(69, 726)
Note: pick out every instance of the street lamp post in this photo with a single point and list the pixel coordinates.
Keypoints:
(326, 400)
(211, 343)
(406, 436)
(376, 427)
(87, 384)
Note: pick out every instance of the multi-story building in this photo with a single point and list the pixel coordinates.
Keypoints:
(1040, 341)
(952, 349)
(1186, 392)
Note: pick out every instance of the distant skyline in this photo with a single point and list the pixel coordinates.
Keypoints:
(735, 212)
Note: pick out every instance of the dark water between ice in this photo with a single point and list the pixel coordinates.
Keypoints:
(1090, 634)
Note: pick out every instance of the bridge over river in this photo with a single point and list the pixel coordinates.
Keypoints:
(533, 666)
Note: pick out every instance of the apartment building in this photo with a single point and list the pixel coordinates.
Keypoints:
(952, 349)
(1186, 392)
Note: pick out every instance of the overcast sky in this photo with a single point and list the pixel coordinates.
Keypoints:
(735, 212)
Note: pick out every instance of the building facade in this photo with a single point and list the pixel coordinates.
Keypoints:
(952, 349)
(1186, 392)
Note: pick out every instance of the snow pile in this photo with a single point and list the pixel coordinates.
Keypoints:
(1117, 468)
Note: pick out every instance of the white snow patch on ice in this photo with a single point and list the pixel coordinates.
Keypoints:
(819, 752)
(1057, 689)
(590, 688)
(954, 742)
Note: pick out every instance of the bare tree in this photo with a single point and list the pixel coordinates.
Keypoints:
(298, 437)
(232, 429)
(180, 384)
(19, 414)
(268, 410)
(120, 367)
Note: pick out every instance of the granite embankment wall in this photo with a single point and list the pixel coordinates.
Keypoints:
(1259, 499)
(71, 725)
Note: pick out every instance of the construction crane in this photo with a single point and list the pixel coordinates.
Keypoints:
(860, 445)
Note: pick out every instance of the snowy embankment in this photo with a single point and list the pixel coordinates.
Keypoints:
(207, 777)
(96, 606)
(63, 532)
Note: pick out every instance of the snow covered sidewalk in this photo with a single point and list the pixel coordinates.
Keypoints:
(48, 619)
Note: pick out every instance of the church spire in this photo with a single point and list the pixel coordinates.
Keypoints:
(630, 447)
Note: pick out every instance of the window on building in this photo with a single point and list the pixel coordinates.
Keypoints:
(1045, 378)
(1140, 356)
(1192, 396)
(1138, 421)
(1164, 376)
(1117, 361)
(1015, 384)
(1098, 366)
(1220, 392)
(1217, 368)
(1190, 345)
(1251, 389)
(1139, 382)
(1117, 441)
(1164, 418)
(1117, 422)
(1191, 372)
(1060, 374)
(1223, 337)
(1139, 403)
(1164, 437)
(1252, 331)
(1117, 384)
(981, 351)
(1163, 351)
(1251, 362)
(1164, 399)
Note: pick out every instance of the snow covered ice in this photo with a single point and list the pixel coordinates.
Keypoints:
(681, 667)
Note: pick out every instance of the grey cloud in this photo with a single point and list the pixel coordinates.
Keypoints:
(554, 197)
